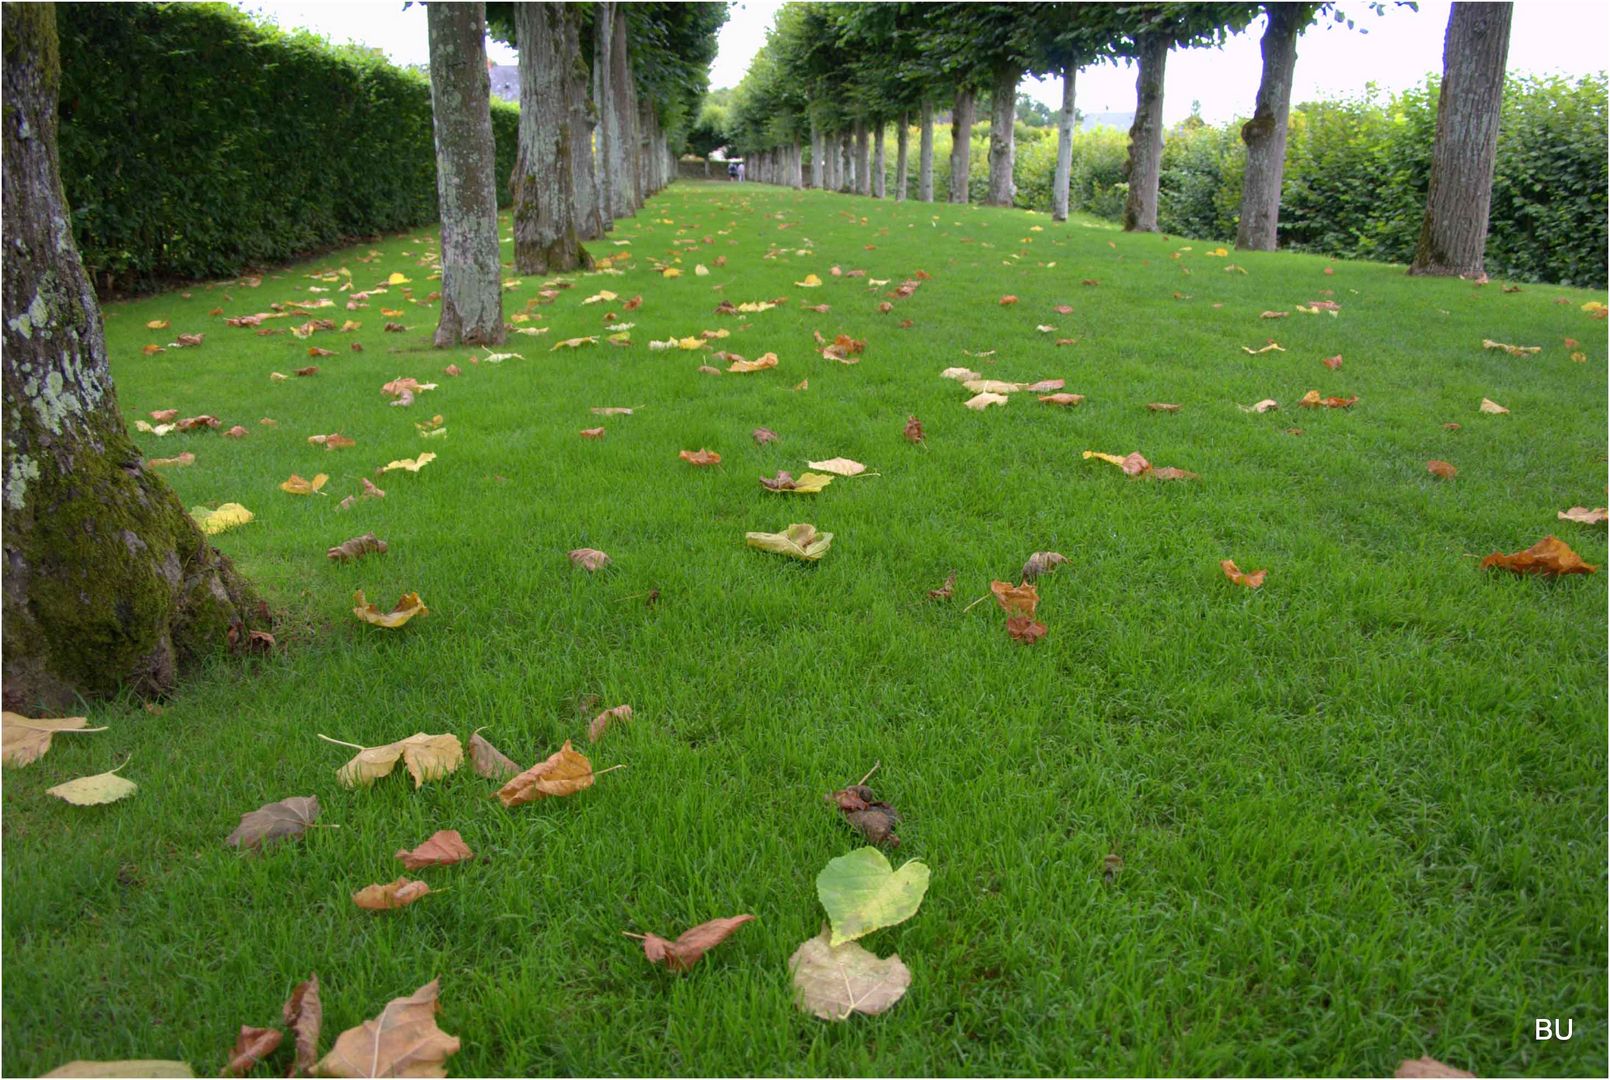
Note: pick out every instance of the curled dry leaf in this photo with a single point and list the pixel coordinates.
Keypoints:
(427, 757)
(25, 741)
(356, 548)
(412, 466)
(1584, 515)
(913, 431)
(140, 1067)
(1266, 405)
(1550, 556)
(1441, 469)
(1332, 362)
(1513, 350)
(1426, 1067)
(184, 459)
(236, 432)
(700, 457)
(195, 423)
(402, 1041)
(1271, 347)
(333, 441)
(706, 369)
(452, 370)
(165, 416)
(684, 952)
(94, 790)
(1493, 408)
(1024, 629)
(980, 402)
(1042, 562)
(1312, 400)
(370, 491)
(945, 591)
(1274, 314)
(1045, 386)
(444, 848)
(808, 483)
(763, 436)
(610, 410)
(601, 722)
(1160, 406)
(960, 374)
(1111, 867)
(1062, 399)
(991, 386)
(592, 433)
(488, 760)
(869, 815)
(589, 559)
(1015, 600)
(1008, 300)
(304, 1016)
(298, 486)
(564, 772)
(832, 982)
(742, 366)
(861, 892)
(408, 605)
(1240, 577)
(275, 821)
(799, 541)
(252, 1045)
(1132, 465)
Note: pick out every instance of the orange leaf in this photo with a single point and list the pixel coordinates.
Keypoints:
(251, 1046)
(1062, 399)
(565, 772)
(592, 433)
(684, 952)
(1024, 629)
(700, 457)
(1235, 574)
(601, 722)
(1443, 470)
(1550, 555)
(1008, 300)
(389, 897)
(444, 848)
(1020, 600)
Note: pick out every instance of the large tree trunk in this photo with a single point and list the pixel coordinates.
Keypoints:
(1265, 133)
(630, 114)
(925, 154)
(846, 163)
(108, 583)
(603, 24)
(1003, 135)
(961, 145)
(1059, 186)
(618, 111)
(1146, 135)
(879, 179)
(863, 169)
(1453, 235)
(583, 118)
(796, 165)
(545, 239)
(818, 178)
(902, 148)
(466, 181)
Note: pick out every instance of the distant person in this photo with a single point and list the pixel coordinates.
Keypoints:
(732, 170)
(740, 172)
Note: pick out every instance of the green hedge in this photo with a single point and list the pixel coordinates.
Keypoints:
(196, 142)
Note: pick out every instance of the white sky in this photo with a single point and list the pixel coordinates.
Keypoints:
(1566, 36)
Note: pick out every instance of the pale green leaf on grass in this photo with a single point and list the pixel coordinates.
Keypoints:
(862, 892)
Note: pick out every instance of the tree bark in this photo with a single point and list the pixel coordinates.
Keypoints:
(1453, 234)
(1003, 135)
(902, 149)
(1265, 133)
(879, 179)
(108, 582)
(796, 165)
(1146, 135)
(925, 154)
(846, 164)
(863, 168)
(466, 181)
(545, 239)
(618, 113)
(817, 176)
(1065, 116)
(583, 118)
(961, 143)
(603, 35)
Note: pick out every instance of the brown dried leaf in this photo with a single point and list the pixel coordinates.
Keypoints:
(304, 1015)
(444, 848)
(193, 423)
(684, 952)
(236, 432)
(1585, 516)
(1159, 406)
(833, 982)
(1235, 574)
(252, 1045)
(601, 722)
(700, 457)
(356, 548)
(489, 761)
(869, 815)
(1020, 600)
(1333, 362)
(390, 896)
(763, 436)
(165, 416)
(1062, 399)
(589, 559)
(945, 591)
(1008, 300)
(1441, 469)
(402, 1041)
(1427, 1068)
(1042, 562)
(186, 458)
(592, 433)
(275, 821)
(1550, 556)
(1487, 406)
(1024, 629)
(565, 772)
(913, 430)
(1045, 386)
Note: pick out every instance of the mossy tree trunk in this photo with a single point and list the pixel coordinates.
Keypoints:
(1265, 133)
(1453, 234)
(1003, 134)
(961, 145)
(617, 123)
(925, 153)
(545, 239)
(466, 180)
(583, 119)
(108, 583)
(1145, 166)
(603, 38)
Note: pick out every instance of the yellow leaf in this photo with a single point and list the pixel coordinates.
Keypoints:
(143, 1067)
(573, 343)
(397, 279)
(407, 607)
(799, 541)
(984, 400)
(691, 343)
(811, 281)
(25, 741)
(810, 483)
(769, 360)
(1112, 458)
(427, 757)
(670, 271)
(298, 486)
(565, 772)
(1492, 407)
(93, 790)
(701, 270)
(839, 466)
(157, 324)
(227, 516)
(412, 466)
(991, 386)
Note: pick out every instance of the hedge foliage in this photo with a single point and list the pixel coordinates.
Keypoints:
(196, 142)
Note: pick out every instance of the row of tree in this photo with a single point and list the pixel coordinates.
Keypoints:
(832, 76)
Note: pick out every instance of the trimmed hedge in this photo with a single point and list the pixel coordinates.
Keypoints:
(196, 143)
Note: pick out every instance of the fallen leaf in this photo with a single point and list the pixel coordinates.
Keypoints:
(193, 423)
(236, 432)
(1235, 574)
(983, 401)
(356, 548)
(960, 374)
(93, 790)
(1019, 600)
(612, 410)
(412, 466)
(1132, 465)
(811, 281)
(872, 817)
(1312, 400)
(402, 1041)
(304, 1016)
(1271, 347)
(1513, 350)
(370, 491)
(275, 821)
(1159, 406)
(427, 757)
(799, 541)
(589, 559)
(762, 436)
(601, 722)
(1550, 556)
(913, 430)
(706, 369)
(408, 605)
(991, 386)
(833, 982)
(444, 848)
(1024, 629)
(839, 466)
(700, 457)
(186, 458)
(142, 1067)
(252, 1045)
(24, 741)
(945, 591)
(1333, 362)
(742, 366)
(1045, 386)
(1426, 1067)
(1042, 562)
(333, 441)
(1062, 399)
(152, 350)
(488, 760)
(684, 952)
(1274, 314)
(1266, 405)
(1584, 515)
(1007, 301)
(1493, 407)
(298, 486)
(227, 516)
(565, 772)
(862, 892)
(159, 430)
(1441, 469)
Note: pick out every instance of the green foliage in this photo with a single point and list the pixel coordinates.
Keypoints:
(196, 142)
(1034, 113)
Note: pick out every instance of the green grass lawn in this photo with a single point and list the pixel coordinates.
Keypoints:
(1361, 810)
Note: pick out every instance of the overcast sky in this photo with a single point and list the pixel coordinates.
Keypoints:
(1401, 47)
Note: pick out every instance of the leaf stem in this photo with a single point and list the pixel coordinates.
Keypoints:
(965, 610)
(612, 768)
(338, 742)
(869, 773)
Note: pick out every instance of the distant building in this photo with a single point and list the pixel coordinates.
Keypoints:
(505, 81)
(1090, 121)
